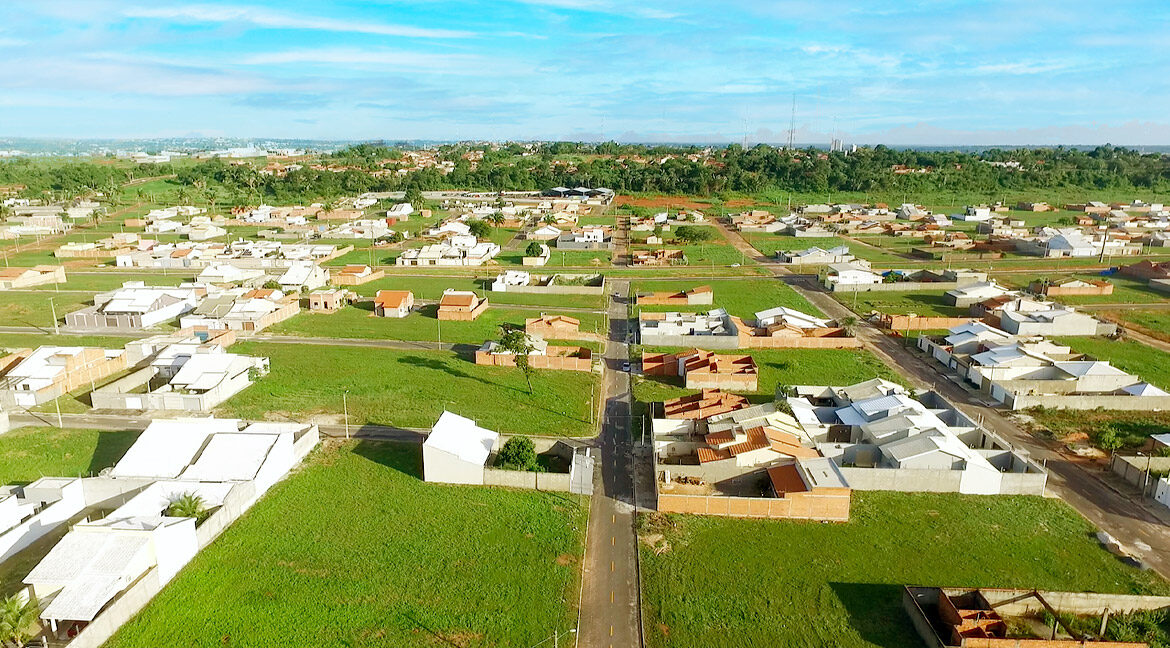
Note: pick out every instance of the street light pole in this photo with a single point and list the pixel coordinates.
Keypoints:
(56, 331)
(345, 409)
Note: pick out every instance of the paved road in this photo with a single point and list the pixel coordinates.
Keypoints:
(1126, 519)
(610, 610)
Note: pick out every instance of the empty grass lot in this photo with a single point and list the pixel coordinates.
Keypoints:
(877, 252)
(355, 550)
(411, 389)
(29, 453)
(1155, 323)
(1146, 362)
(421, 325)
(33, 309)
(1125, 290)
(740, 297)
(425, 287)
(726, 582)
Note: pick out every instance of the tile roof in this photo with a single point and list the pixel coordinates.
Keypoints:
(391, 298)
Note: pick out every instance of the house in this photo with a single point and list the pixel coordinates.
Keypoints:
(463, 250)
(400, 211)
(659, 257)
(975, 293)
(848, 276)
(544, 233)
(714, 329)
(880, 437)
(136, 306)
(1034, 207)
(782, 316)
(393, 303)
(553, 327)
(457, 450)
(1071, 286)
(1052, 320)
(1146, 270)
(542, 356)
(819, 256)
(190, 377)
(303, 276)
(586, 238)
(32, 377)
(355, 275)
(706, 403)
(975, 214)
(329, 300)
(16, 278)
(226, 274)
(460, 305)
(704, 369)
(754, 436)
(510, 278)
(249, 310)
(698, 296)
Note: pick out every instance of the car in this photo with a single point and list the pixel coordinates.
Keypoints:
(734, 265)
(626, 366)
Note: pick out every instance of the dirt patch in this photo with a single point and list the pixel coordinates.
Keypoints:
(564, 560)
(678, 202)
(304, 571)
(664, 629)
(459, 639)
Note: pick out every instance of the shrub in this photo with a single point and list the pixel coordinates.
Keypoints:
(533, 249)
(519, 453)
(1108, 438)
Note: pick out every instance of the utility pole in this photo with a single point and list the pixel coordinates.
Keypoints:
(345, 409)
(56, 331)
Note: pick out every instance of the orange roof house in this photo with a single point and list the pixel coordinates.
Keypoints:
(355, 275)
(553, 327)
(704, 369)
(706, 403)
(393, 303)
(698, 296)
(461, 305)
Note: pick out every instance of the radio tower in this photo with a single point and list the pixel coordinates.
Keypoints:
(792, 124)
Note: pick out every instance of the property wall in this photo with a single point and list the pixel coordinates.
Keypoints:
(461, 315)
(52, 516)
(545, 481)
(238, 500)
(792, 342)
(339, 279)
(553, 332)
(1057, 291)
(903, 480)
(552, 362)
(726, 382)
(1081, 402)
(908, 323)
(900, 286)
(1133, 469)
(710, 342)
(829, 507)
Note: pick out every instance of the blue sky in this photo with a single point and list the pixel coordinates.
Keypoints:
(897, 72)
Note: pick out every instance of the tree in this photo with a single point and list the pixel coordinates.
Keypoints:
(517, 342)
(17, 616)
(415, 198)
(533, 250)
(496, 219)
(548, 219)
(692, 234)
(518, 453)
(479, 229)
(188, 505)
(271, 284)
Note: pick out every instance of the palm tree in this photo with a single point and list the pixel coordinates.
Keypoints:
(188, 505)
(17, 616)
(496, 219)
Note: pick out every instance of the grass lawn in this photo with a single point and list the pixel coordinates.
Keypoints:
(784, 367)
(34, 340)
(927, 303)
(1143, 361)
(425, 287)
(33, 309)
(421, 325)
(1125, 290)
(355, 550)
(1133, 429)
(728, 582)
(769, 244)
(29, 453)
(96, 282)
(411, 389)
(1155, 323)
(740, 297)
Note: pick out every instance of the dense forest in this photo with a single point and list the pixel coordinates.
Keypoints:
(638, 168)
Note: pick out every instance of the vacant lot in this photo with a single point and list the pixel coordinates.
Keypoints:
(29, 453)
(1125, 290)
(33, 308)
(425, 287)
(724, 582)
(1155, 323)
(740, 297)
(877, 250)
(356, 551)
(411, 389)
(1133, 429)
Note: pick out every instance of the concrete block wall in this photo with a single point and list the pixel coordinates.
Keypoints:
(797, 506)
(544, 481)
(1084, 402)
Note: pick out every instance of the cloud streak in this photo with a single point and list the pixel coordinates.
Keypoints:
(273, 19)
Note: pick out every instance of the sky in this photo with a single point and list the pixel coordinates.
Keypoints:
(901, 72)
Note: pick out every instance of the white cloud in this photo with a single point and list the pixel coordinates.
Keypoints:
(266, 18)
(447, 63)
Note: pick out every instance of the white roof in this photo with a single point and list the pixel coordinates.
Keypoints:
(168, 446)
(461, 437)
(792, 317)
(231, 457)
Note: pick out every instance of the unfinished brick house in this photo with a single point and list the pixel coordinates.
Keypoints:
(706, 403)
(393, 303)
(700, 296)
(704, 369)
(329, 300)
(355, 275)
(657, 257)
(1071, 286)
(461, 305)
(553, 327)
(543, 356)
(1146, 270)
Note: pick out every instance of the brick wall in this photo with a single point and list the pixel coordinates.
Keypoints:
(830, 506)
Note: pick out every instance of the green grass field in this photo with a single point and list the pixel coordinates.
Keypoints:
(33, 308)
(421, 325)
(740, 297)
(727, 582)
(1151, 322)
(355, 550)
(1146, 362)
(29, 453)
(411, 389)
(1125, 290)
(430, 287)
(878, 251)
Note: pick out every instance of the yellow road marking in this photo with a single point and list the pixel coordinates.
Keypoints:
(613, 540)
(611, 596)
(611, 565)
(611, 631)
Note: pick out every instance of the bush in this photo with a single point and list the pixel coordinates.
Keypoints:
(480, 229)
(1108, 438)
(533, 249)
(691, 234)
(518, 453)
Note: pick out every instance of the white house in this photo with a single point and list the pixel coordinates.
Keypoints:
(510, 278)
(303, 274)
(849, 274)
(456, 450)
(784, 316)
(974, 293)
